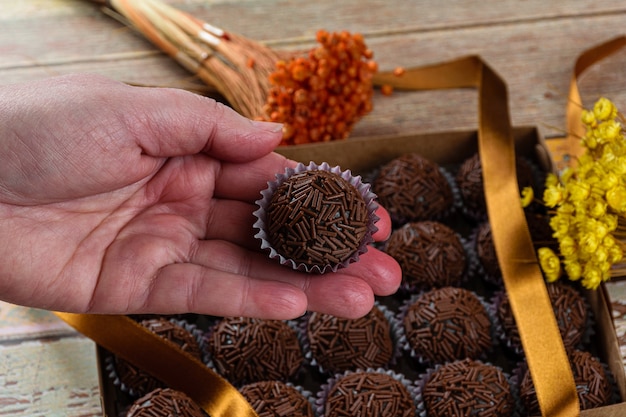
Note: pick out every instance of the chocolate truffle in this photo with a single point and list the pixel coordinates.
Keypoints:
(139, 382)
(165, 403)
(371, 394)
(339, 344)
(592, 385)
(467, 388)
(430, 254)
(469, 179)
(246, 350)
(446, 324)
(413, 188)
(316, 219)
(277, 399)
(486, 253)
(541, 235)
(569, 309)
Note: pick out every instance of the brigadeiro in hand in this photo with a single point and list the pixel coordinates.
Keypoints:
(316, 218)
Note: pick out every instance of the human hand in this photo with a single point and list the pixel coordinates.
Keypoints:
(119, 199)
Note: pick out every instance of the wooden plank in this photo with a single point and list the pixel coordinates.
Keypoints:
(535, 58)
(52, 378)
(534, 55)
(20, 323)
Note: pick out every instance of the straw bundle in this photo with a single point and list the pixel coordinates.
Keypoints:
(317, 96)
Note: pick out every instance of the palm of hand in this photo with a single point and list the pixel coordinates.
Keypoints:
(116, 199)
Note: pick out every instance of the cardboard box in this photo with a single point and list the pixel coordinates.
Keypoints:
(364, 154)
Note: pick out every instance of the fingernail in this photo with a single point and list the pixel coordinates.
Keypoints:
(268, 126)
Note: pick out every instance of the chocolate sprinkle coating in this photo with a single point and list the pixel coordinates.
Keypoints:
(165, 403)
(430, 254)
(413, 188)
(592, 385)
(139, 381)
(371, 394)
(486, 251)
(469, 179)
(467, 388)
(276, 399)
(569, 308)
(447, 324)
(317, 218)
(339, 344)
(246, 350)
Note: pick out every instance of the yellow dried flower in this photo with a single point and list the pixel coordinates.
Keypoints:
(552, 180)
(528, 195)
(597, 208)
(578, 190)
(573, 269)
(591, 276)
(616, 198)
(553, 195)
(550, 264)
(589, 204)
(567, 246)
(604, 109)
(589, 119)
(588, 243)
(560, 225)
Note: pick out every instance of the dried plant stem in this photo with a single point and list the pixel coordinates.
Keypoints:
(236, 66)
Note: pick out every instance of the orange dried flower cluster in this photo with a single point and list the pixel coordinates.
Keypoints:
(320, 97)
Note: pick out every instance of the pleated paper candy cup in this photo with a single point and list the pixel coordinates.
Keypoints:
(316, 218)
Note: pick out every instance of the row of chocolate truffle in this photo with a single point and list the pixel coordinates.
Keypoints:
(456, 389)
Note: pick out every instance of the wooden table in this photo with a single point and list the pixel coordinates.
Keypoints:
(45, 367)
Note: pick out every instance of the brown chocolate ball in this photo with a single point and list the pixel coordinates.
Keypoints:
(366, 393)
(467, 388)
(592, 383)
(413, 188)
(447, 324)
(276, 399)
(569, 309)
(140, 382)
(430, 254)
(246, 350)
(339, 344)
(469, 179)
(165, 402)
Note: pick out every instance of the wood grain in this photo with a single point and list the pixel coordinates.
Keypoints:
(49, 378)
(533, 47)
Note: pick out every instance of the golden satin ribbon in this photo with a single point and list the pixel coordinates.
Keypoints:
(575, 127)
(164, 360)
(543, 346)
(547, 360)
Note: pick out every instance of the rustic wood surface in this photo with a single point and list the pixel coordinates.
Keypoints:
(46, 369)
